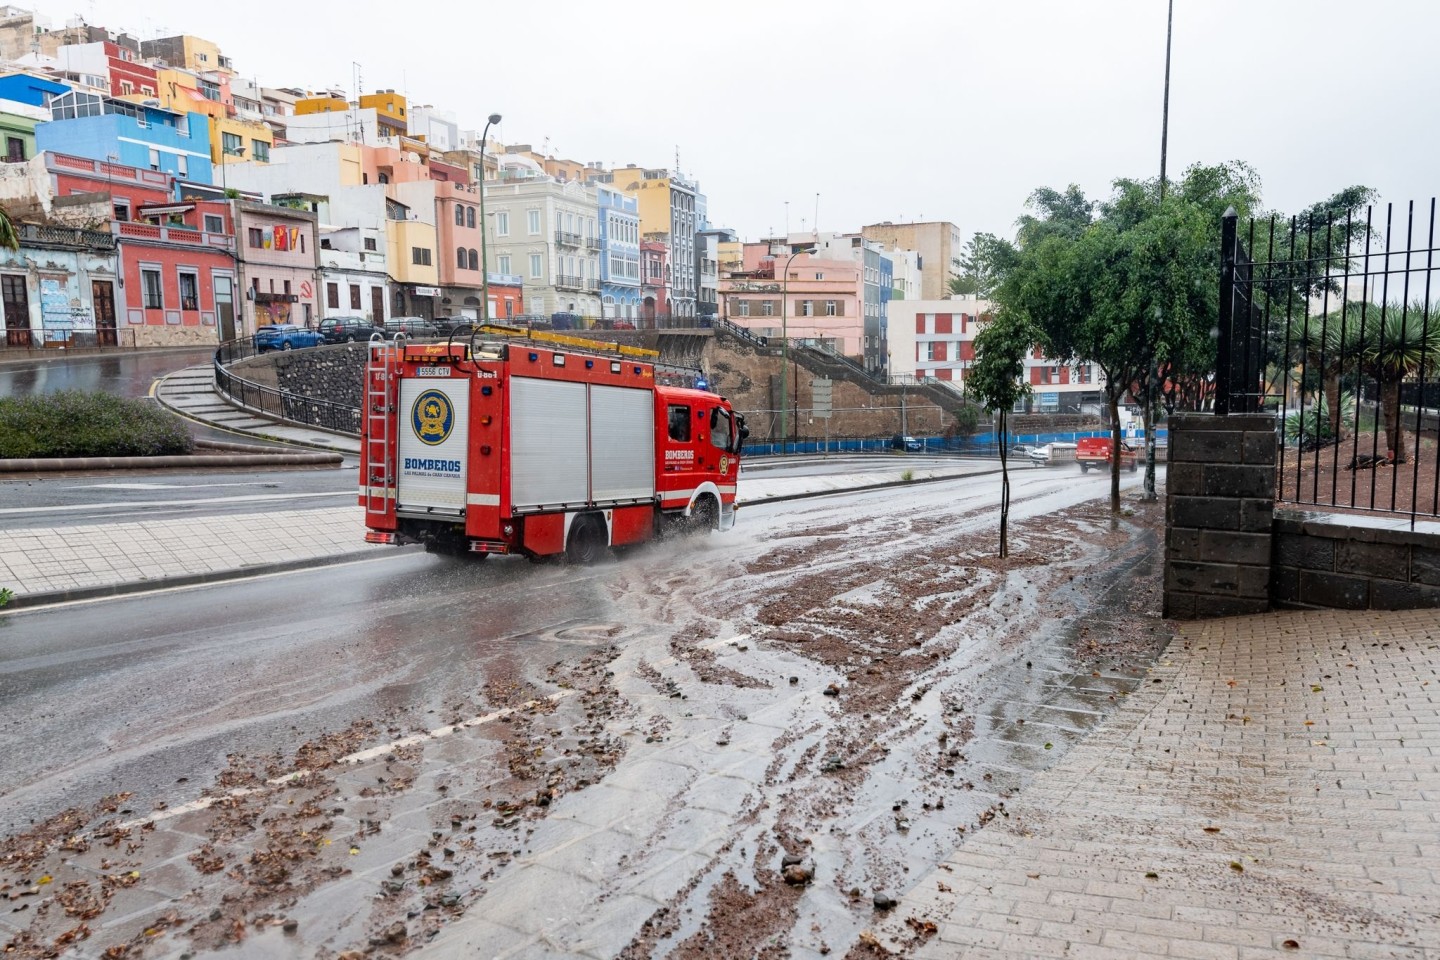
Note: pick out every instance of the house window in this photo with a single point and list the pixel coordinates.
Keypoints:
(354, 296)
(534, 221)
(332, 296)
(1082, 373)
(829, 308)
(767, 308)
(231, 145)
(503, 263)
(469, 216)
(260, 151)
(502, 224)
(742, 308)
(459, 215)
(460, 258)
(302, 242)
(153, 289)
(154, 159)
(256, 237)
(189, 291)
(214, 224)
(370, 243)
(14, 150)
(287, 288)
(807, 308)
(819, 276)
(474, 259)
(122, 209)
(420, 255)
(535, 266)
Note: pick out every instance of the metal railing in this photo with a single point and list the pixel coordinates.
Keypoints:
(567, 239)
(1331, 323)
(277, 403)
(66, 336)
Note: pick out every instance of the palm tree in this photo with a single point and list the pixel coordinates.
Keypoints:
(9, 236)
(1404, 342)
(1326, 343)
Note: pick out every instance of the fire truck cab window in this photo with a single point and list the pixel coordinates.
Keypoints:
(720, 433)
(679, 423)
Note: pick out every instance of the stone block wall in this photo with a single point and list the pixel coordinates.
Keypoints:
(1354, 563)
(1219, 508)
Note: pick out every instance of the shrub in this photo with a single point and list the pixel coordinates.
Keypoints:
(73, 423)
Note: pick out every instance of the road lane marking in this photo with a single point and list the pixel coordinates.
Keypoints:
(360, 756)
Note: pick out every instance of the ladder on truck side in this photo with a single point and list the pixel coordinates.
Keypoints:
(379, 429)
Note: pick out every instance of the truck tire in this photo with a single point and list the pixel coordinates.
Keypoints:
(587, 541)
(1084, 467)
(704, 516)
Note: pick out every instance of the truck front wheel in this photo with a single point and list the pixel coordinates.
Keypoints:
(704, 515)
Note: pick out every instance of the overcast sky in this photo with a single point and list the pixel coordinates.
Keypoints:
(897, 110)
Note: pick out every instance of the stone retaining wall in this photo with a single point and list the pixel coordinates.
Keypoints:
(1354, 563)
(1229, 552)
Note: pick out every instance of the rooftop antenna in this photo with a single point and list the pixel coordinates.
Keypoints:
(358, 134)
(815, 224)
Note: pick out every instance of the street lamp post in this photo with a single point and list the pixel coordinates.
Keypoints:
(785, 337)
(485, 226)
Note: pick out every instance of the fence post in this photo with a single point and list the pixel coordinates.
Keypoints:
(1228, 229)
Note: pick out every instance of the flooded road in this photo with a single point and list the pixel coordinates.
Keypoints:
(741, 745)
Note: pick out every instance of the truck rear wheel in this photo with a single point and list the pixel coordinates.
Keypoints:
(1084, 467)
(587, 541)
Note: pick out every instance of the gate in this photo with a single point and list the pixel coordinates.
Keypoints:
(1332, 322)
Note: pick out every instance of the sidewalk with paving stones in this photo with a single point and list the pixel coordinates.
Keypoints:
(1273, 791)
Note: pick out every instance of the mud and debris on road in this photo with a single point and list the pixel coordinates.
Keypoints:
(753, 758)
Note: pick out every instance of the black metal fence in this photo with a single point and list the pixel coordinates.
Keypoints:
(1332, 323)
(274, 402)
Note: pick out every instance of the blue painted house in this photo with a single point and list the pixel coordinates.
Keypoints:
(619, 254)
(34, 91)
(139, 135)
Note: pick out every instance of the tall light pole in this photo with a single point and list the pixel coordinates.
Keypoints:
(485, 226)
(785, 336)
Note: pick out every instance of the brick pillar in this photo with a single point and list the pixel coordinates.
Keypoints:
(1219, 506)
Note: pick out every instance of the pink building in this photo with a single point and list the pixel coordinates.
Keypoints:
(279, 265)
(457, 227)
(798, 297)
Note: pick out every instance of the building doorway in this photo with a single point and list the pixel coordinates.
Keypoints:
(17, 310)
(102, 301)
(225, 306)
(377, 305)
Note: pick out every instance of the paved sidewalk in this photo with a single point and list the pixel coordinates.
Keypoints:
(1275, 791)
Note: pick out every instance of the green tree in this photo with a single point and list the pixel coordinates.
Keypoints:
(980, 264)
(996, 380)
(9, 236)
(1403, 342)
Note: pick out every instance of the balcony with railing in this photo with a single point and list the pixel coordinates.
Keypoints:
(47, 235)
(567, 239)
(185, 236)
(565, 281)
(593, 242)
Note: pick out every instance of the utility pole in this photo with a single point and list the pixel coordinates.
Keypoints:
(1152, 367)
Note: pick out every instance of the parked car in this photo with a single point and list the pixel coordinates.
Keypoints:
(463, 324)
(412, 327)
(906, 443)
(1020, 451)
(285, 336)
(347, 329)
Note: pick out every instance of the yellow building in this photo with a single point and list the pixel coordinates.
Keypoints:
(308, 105)
(191, 53)
(411, 249)
(652, 193)
(233, 141)
(389, 108)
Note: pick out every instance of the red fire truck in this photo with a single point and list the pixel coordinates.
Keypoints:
(538, 444)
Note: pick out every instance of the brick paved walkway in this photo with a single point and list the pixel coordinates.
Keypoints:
(1274, 792)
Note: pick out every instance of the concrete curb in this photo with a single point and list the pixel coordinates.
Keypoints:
(142, 463)
(28, 600)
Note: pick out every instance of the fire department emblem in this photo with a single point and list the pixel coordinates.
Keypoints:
(432, 418)
(724, 466)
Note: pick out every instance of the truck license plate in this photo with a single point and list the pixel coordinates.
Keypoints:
(432, 371)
